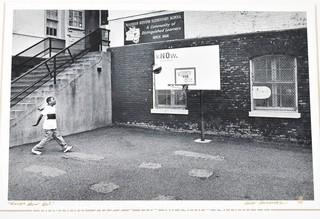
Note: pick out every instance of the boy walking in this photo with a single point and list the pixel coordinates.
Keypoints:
(49, 127)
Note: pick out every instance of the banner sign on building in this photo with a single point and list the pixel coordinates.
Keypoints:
(153, 29)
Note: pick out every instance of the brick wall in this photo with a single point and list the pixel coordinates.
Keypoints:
(227, 110)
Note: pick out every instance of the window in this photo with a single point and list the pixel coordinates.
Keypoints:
(170, 99)
(274, 86)
(52, 28)
(170, 102)
(52, 22)
(52, 15)
(76, 19)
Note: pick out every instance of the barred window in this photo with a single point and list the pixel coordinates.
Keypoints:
(76, 18)
(276, 73)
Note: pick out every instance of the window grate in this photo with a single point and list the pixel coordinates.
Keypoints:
(278, 73)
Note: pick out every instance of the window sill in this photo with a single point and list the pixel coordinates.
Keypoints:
(54, 37)
(76, 28)
(170, 111)
(53, 19)
(274, 114)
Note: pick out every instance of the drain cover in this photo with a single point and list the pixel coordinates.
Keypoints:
(104, 187)
(164, 197)
(199, 155)
(150, 165)
(45, 170)
(82, 156)
(200, 173)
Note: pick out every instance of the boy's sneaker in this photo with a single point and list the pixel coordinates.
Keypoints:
(36, 152)
(67, 148)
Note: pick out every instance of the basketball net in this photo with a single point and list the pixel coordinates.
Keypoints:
(184, 86)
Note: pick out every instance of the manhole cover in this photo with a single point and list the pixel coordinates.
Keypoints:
(82, 156)
(200, 173)
(45, 170)
(164, 197)
(150, 165)
(104, 187)
(199, 155)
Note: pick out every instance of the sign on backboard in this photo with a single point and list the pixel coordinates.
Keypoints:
(185, 76)
(197, 67)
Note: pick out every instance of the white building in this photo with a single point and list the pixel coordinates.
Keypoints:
(31, 26)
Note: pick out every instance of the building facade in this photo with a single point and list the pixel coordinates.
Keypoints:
(259, 53)
(67, 26)
(262, 65)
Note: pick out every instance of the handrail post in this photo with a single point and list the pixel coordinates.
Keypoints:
(70, 55)
(100, 38)
(108, 37)
(50, 47)
(54, 70)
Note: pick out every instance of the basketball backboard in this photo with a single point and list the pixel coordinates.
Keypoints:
(197, 67)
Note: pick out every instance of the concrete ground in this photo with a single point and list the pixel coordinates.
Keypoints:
(118, 163)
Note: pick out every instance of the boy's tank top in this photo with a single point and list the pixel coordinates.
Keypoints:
(49, 113)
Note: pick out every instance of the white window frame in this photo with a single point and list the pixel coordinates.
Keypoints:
(274, 112)
(83, 20)
(165, 109)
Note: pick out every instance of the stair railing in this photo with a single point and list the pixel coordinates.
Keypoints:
(52, 66)
(34, 54)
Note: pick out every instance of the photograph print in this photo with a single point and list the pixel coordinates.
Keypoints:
(160, 105)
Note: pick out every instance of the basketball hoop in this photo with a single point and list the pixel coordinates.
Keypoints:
(156, 69)
(183, 86)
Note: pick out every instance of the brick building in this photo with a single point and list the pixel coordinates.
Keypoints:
(256, 49)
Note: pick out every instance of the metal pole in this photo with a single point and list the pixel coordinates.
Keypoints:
(100, 38)
(202, 115)
(50, 46)
(54, 71)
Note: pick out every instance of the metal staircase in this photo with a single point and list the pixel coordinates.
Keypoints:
(48, 69)
(35, 54)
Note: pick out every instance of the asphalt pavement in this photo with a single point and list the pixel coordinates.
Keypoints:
(123, 163)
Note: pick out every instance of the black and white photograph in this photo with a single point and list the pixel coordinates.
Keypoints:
(162, 104)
